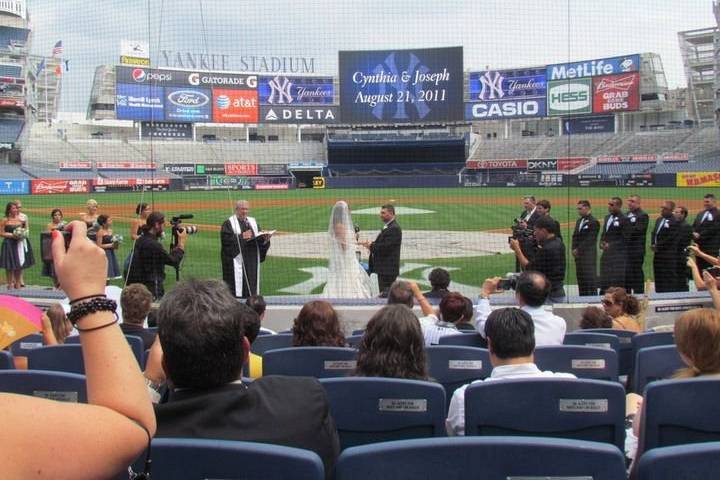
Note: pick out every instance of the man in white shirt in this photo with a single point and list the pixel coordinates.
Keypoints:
(531, 292)
(511, 342)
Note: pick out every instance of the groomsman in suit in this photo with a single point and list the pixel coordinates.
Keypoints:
(526, 222)
(636, 235)
(706, 230)
(685, 236)
(664, 243)
(612, 243)
(385, 250)
(584, 249)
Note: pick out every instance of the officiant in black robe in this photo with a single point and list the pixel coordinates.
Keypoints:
(242, 249)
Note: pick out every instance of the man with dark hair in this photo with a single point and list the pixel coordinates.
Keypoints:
(149, 257)
(584, 249)
(452, 311)
(439, 279)
(531, 292)
(612, 243)
(201, 330)
(664, 243)
(136, 301)
(252, 329)
(706, 230)
(635, 236)
(385, 250)
(685, 236)
(511, 340)
(549, 257)
(543, 209)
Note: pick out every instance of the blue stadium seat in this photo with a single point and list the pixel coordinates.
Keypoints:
(271, 342)
(67, 387)
(370, 410)
(174, 458)
(651, 339)
(682, 461)
(318, 362)
(58, 358)
(453, 366)
(549, 407)
(593, 339)
(136, 345)
(625, 355)
(678, 412)
(7, 361)
(482, 457)
(581, 361)
(358, 331)
(464, 339)
(20, 348)
(655, 363)
(354, 340)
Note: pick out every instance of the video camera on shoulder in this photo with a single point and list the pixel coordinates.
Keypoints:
(177, 226)
(519, 232)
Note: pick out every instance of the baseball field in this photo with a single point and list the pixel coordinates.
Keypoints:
(463, 230)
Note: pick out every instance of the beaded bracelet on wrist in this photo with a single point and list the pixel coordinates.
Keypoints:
(98, 304)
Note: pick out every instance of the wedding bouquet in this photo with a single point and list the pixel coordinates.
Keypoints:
(20, 233)
(117, 240)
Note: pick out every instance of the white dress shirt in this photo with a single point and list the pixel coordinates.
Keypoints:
(433, 328)
(549, 328)
(455, 423)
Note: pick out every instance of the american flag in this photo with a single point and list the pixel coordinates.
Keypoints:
(57, 49)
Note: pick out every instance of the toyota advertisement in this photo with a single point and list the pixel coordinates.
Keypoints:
(401, 86)
(616, 93)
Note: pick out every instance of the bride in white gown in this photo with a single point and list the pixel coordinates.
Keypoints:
(346, 277)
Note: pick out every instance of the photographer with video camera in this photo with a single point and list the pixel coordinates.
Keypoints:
(522, 228)
(149, 256)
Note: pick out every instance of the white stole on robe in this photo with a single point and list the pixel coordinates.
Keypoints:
(238, 264)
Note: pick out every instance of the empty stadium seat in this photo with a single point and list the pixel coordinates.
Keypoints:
(655, 363)
(354, 340)
(20, 348)
(62, 386)
(625, 354)
(651, 339)
(678, 412)
(369, 410)
(318, 362)
(271, 342)
(175, 458)
(548, 407)
(464, 339)
(7, 362)
(493, 458)
(591, 339)
(680, 462)
(454, 366)
(135, 342)
(581, 361)
(58, 358)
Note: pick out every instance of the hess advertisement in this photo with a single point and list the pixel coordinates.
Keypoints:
(569, 97)
(401, 86)
(616, 93)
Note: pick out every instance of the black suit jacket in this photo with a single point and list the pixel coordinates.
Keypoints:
(385, 251)
(585, 240)
(290, 411)
(636, 231)
(665, 242)
(709, 231)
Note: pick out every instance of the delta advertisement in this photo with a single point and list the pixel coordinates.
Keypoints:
(502, 94)
(401, 86)
(698, 179)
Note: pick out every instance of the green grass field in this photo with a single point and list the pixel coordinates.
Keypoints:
(303, 211)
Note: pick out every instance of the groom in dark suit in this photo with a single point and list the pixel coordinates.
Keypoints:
(385, 250)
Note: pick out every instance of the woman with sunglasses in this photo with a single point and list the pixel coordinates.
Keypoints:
(623, 309)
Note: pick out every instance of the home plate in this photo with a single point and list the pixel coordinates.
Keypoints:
(398, 211)
(416, 244)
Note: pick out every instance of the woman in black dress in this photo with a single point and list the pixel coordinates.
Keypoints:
(57, 223)
(106, 241)
(13, 254)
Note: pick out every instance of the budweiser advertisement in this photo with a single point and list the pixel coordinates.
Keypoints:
(50, 186)
(616, 93)
(241, 169)
(125, 166)
(497, 164)
(571, 163)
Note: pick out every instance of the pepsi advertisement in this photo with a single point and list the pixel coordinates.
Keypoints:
(188, 104)
(139, 102)
(283, 90)
(401, 86)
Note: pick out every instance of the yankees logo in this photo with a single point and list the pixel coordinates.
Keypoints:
(281, 89)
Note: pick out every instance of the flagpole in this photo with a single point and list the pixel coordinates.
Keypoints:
(47, 117)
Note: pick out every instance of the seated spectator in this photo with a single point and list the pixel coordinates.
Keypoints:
(201, 330)
(452, 309)
(257, 303)
(60, 326)
(697, 337)
(116, 426)
(531, 292)
(511, 341)
(392, 346)
(623, 309)
(252, 328)
(466, 323)
(136, 301)
(439, 279)
(404, 293)
(317, 325)
(595, 317)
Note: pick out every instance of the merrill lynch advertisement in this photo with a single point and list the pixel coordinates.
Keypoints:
(401, 86)
(139, 102)
(503, 94)
(593, 68)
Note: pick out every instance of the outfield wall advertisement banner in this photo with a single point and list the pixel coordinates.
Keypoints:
(572, 97)
(503, 94)
(542, 164)
(50, 186)
(125, 166)
(401, 86)
(593, 68)
(512, 164)
(14, 187)
(698, 179)
(282, 90)
(616, 93)
(75, 165)
(241, 169)
(578, 126)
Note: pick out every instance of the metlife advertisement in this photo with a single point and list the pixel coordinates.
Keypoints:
(504, 94)
(593, 68)
(401, 86)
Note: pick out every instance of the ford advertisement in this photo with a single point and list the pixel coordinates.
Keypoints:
(188, 104)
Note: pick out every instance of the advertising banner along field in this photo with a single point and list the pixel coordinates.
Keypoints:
(698, 179)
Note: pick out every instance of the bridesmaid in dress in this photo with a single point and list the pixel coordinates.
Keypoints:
(12, 253)
(48, 270)
(105, 241)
